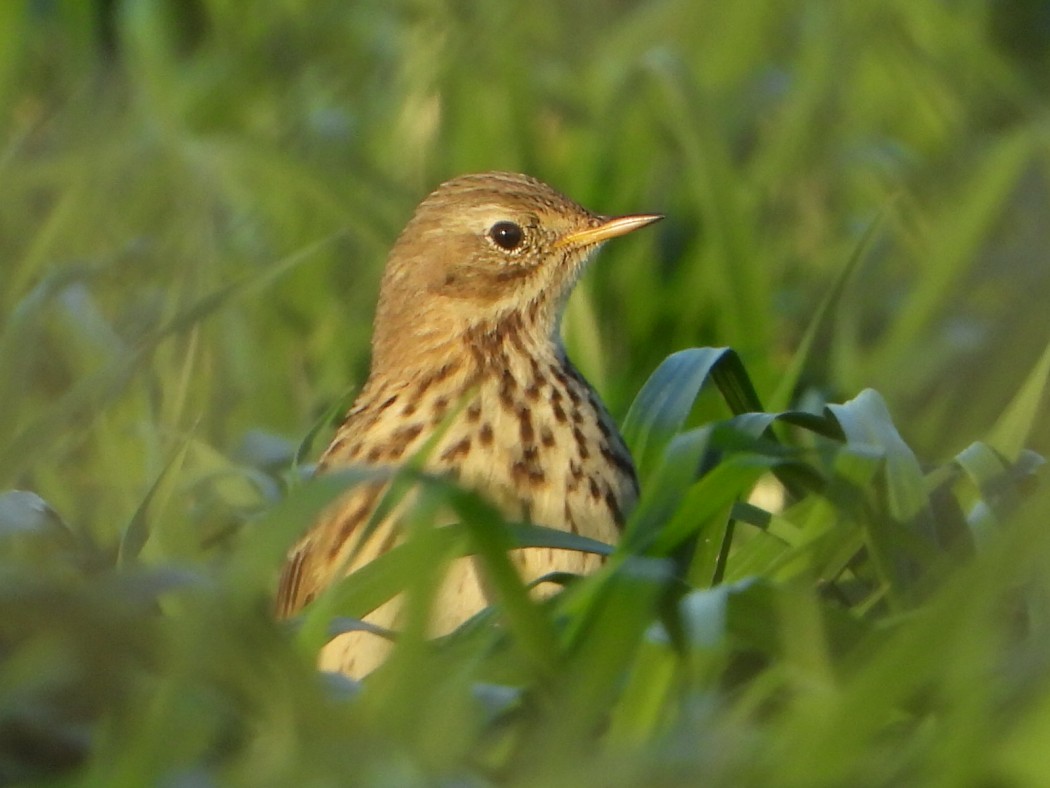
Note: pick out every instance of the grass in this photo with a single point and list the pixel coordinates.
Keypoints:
(194, 211)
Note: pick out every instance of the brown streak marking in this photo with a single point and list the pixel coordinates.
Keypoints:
(507, 387)
(614, 458)
(573, 395)
(514, 333)
(483, 343)
(485, 434)
(572, 484)
(537, 371)
(603, 428)
(474, 412)
(409, 432)
(401, 439)
(574, 373)
(447, 369)
(288, 590)
(423, 384)
(581, 443)
(524, 471)
(614, 507)
(388, 541)
(571, 519)
(346, 530)
(461, 448)
(559, 413)
(440, 407)
(337, 444)
(480, 358)
(528, 434)
(546, 436)
(534, 311)
(512, 273)
(596, 493)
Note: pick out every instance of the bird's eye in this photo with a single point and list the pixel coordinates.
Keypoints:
(507, 235)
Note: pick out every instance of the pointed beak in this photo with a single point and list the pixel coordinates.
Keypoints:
(609, 228)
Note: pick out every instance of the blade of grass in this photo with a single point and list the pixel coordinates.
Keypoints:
(664, 403)
(1010, 432)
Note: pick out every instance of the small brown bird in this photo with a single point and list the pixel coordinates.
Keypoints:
(468, 325)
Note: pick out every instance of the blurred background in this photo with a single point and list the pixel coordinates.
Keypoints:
(196, 201)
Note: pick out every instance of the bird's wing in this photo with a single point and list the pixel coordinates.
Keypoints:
(337, 545)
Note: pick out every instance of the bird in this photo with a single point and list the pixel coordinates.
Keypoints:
(467, 360)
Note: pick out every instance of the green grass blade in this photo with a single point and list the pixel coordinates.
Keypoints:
(866, 421)
(491, 542)
(664, 403)
(138, 530)
(1013, 427)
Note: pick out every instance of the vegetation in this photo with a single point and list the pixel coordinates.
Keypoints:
(195, 207)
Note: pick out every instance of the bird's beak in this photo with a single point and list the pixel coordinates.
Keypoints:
(609, 228)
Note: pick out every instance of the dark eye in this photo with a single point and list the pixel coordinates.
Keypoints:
(506, 235)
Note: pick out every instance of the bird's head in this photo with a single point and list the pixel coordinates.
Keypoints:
(481, 248)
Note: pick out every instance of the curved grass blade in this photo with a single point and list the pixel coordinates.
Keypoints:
(664, 403)
(529, 535)
(603, 647)
(1010, 432)
(324, 421)
(866, 421)
(491, 543)
(998, 483)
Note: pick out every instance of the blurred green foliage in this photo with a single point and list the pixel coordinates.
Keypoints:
(196, 197)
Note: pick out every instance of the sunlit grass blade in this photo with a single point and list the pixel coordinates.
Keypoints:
(714, 492)
(866, 421)
(591, 677)
(1013, 427)
(491, 543)
(999, 486)
(664, 403)
(320, 424)
(269, 536)
(529, 535)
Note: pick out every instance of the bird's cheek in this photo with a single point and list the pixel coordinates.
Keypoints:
(481, 285)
